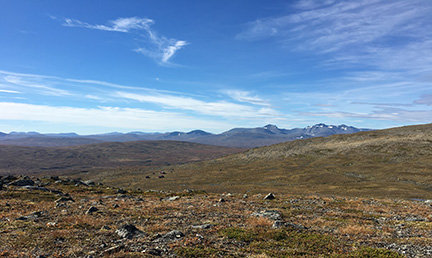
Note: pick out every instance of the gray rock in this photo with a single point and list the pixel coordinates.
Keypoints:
(173, 198)
(269, 196)
(204, 226)
(30, 187)
(129, 231)
(271, 214)
(23, 182)
(64, 199)
(171, 236)
(91, 210)
(89, 183)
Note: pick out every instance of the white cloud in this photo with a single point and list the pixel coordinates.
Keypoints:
(160, 48)
(112, 117)
(222, 108)
(245, 96)
(19, 81)
(385, 34)
(10, 91)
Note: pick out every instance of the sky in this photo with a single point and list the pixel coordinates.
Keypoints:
(167, 65)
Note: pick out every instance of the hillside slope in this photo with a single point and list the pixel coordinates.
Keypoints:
(26, 160)
(394, 162)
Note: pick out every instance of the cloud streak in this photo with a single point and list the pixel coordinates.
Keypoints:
(388, 34)
(105, 116)
(160, 48)
(222, 108)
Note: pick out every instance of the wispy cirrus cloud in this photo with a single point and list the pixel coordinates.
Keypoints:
(386, 34)
(221, 108)
(160, 48)
(246, 96)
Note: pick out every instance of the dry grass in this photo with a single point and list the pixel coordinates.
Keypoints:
(336, 224)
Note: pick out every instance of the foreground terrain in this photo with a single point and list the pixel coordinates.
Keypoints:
(60, 217)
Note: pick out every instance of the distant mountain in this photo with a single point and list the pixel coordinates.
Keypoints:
(236, 137)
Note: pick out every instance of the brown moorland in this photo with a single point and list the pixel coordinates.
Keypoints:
(391, 163)
(33, 160)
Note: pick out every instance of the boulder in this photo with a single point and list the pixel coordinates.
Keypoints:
(269, 196)
(129, 231)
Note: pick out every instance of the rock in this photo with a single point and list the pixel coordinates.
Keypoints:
(269, 196)
(271, 214)
(89, 183)
(33, 215)
(153, 251)
(204, 226)
(245, 196)
(173, 198)
(129, 231)
(64, 199)
(115, 206)
(23, 182)
(171, 236)
(91, 210)
(121, 191)
(222, 200)
(30, 187)
(105, 227)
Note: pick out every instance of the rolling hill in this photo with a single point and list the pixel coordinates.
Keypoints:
(395, 162)
(30, 160)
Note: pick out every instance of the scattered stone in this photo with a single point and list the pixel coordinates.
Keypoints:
(153, 251)
(171, 236)
(222, 200)
(161, 176)
(121, 191)
(89, 183)
(105, 227)
(204, 226)
(115, 206)
(33, 215)
(269, 196)
(245, 196)
(31, 187)
(91, 210)
(129, 231)
(173, 198)
(23, 182)
(271, 214)
(64, 199)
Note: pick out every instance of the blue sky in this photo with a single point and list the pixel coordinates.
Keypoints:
(157, 66)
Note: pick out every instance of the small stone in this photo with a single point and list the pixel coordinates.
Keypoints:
(64, 199)
(171, 236)
(128, 231)
(115, 206)
(105, 227)
(121, 191)
(89, 183)
(23, 182)
(91, 210)
(269, 196)
(204, 226)
(222, 200)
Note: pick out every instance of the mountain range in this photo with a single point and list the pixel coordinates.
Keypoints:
(237, 137)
